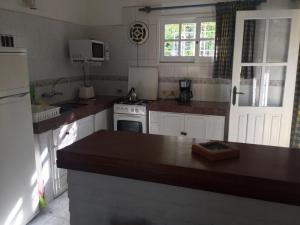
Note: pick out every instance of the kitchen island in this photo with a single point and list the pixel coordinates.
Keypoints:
(126, 178)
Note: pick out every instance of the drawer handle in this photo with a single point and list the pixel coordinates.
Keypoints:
(183, 133)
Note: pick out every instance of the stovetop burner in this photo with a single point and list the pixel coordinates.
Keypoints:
(126, 101)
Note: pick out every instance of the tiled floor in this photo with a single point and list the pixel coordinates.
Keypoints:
(57, 213)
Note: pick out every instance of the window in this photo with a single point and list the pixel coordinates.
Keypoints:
(207, 39)
(184, 40)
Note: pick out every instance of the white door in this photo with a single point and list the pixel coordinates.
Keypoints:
(172, 124)
(262, 106)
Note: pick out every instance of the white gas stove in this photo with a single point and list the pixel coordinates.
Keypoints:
(130, 116)
(136, 108)
(130, 113)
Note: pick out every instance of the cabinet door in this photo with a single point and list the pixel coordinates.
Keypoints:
(195, 126)
(65, 135)
(104, 120)
(154, 122)
(43, 146)
(206, 127)
(62, 137)
(215, 126)
(85, 127)
(171, 124)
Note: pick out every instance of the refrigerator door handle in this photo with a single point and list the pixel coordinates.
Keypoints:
(15, 96)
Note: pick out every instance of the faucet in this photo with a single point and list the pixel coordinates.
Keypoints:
(53, 92)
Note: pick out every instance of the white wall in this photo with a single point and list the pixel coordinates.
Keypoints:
(103, 12)
(67, 10)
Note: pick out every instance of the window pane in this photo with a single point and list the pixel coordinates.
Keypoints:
(171, 31)
(208, 30)
(188, 31)
(207, 48)
(171, 48)
(187, 48)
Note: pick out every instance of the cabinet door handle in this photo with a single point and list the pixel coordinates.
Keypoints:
(183, 133)
(67, 133)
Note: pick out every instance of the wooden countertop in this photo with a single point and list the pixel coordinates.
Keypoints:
(93, 106)
(194, 107)
(261, 172)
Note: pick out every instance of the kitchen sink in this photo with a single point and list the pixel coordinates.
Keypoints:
(69, 106)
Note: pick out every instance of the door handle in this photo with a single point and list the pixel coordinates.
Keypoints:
(183, 133)
(234, 93)
(15, 96)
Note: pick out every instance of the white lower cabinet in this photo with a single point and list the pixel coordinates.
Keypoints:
(47, 144)
(195, 126)
(62, 137)
(104, 120)
(85, 127)
(171, 124)
(191, 125)
(43, 147)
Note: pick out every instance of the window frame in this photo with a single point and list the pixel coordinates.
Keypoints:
(180, 20)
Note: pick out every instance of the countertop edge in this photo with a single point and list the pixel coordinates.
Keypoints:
(243, 186)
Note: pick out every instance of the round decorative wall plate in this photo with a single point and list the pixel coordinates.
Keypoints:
(138, 33)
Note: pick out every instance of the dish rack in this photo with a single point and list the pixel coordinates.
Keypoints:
(44, 113)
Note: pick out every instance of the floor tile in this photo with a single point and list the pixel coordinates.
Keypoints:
(57, 213)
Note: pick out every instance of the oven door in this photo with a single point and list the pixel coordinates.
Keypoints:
(131, 123)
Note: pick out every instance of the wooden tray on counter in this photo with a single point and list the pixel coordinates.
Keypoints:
(215, 150)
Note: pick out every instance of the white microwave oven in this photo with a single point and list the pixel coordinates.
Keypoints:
(86, 51)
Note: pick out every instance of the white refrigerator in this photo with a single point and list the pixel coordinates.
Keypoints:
(18, 176)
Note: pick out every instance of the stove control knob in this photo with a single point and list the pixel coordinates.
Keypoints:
(136, 110)
(132, 110)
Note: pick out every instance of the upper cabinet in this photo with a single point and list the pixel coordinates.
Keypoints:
(191, 125)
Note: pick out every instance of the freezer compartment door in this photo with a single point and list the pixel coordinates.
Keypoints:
(18, 177)
(13, 74)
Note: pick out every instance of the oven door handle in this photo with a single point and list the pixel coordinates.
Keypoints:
(127, 117)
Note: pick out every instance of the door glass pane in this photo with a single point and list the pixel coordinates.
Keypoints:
(262, 86)
(278, 41)
(276, 85)
(253, 41)
(250, 77)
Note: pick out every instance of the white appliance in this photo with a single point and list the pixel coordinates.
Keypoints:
(86, 51)
(145, 82)
(131, 114)
(18, 175)
(130, 117)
